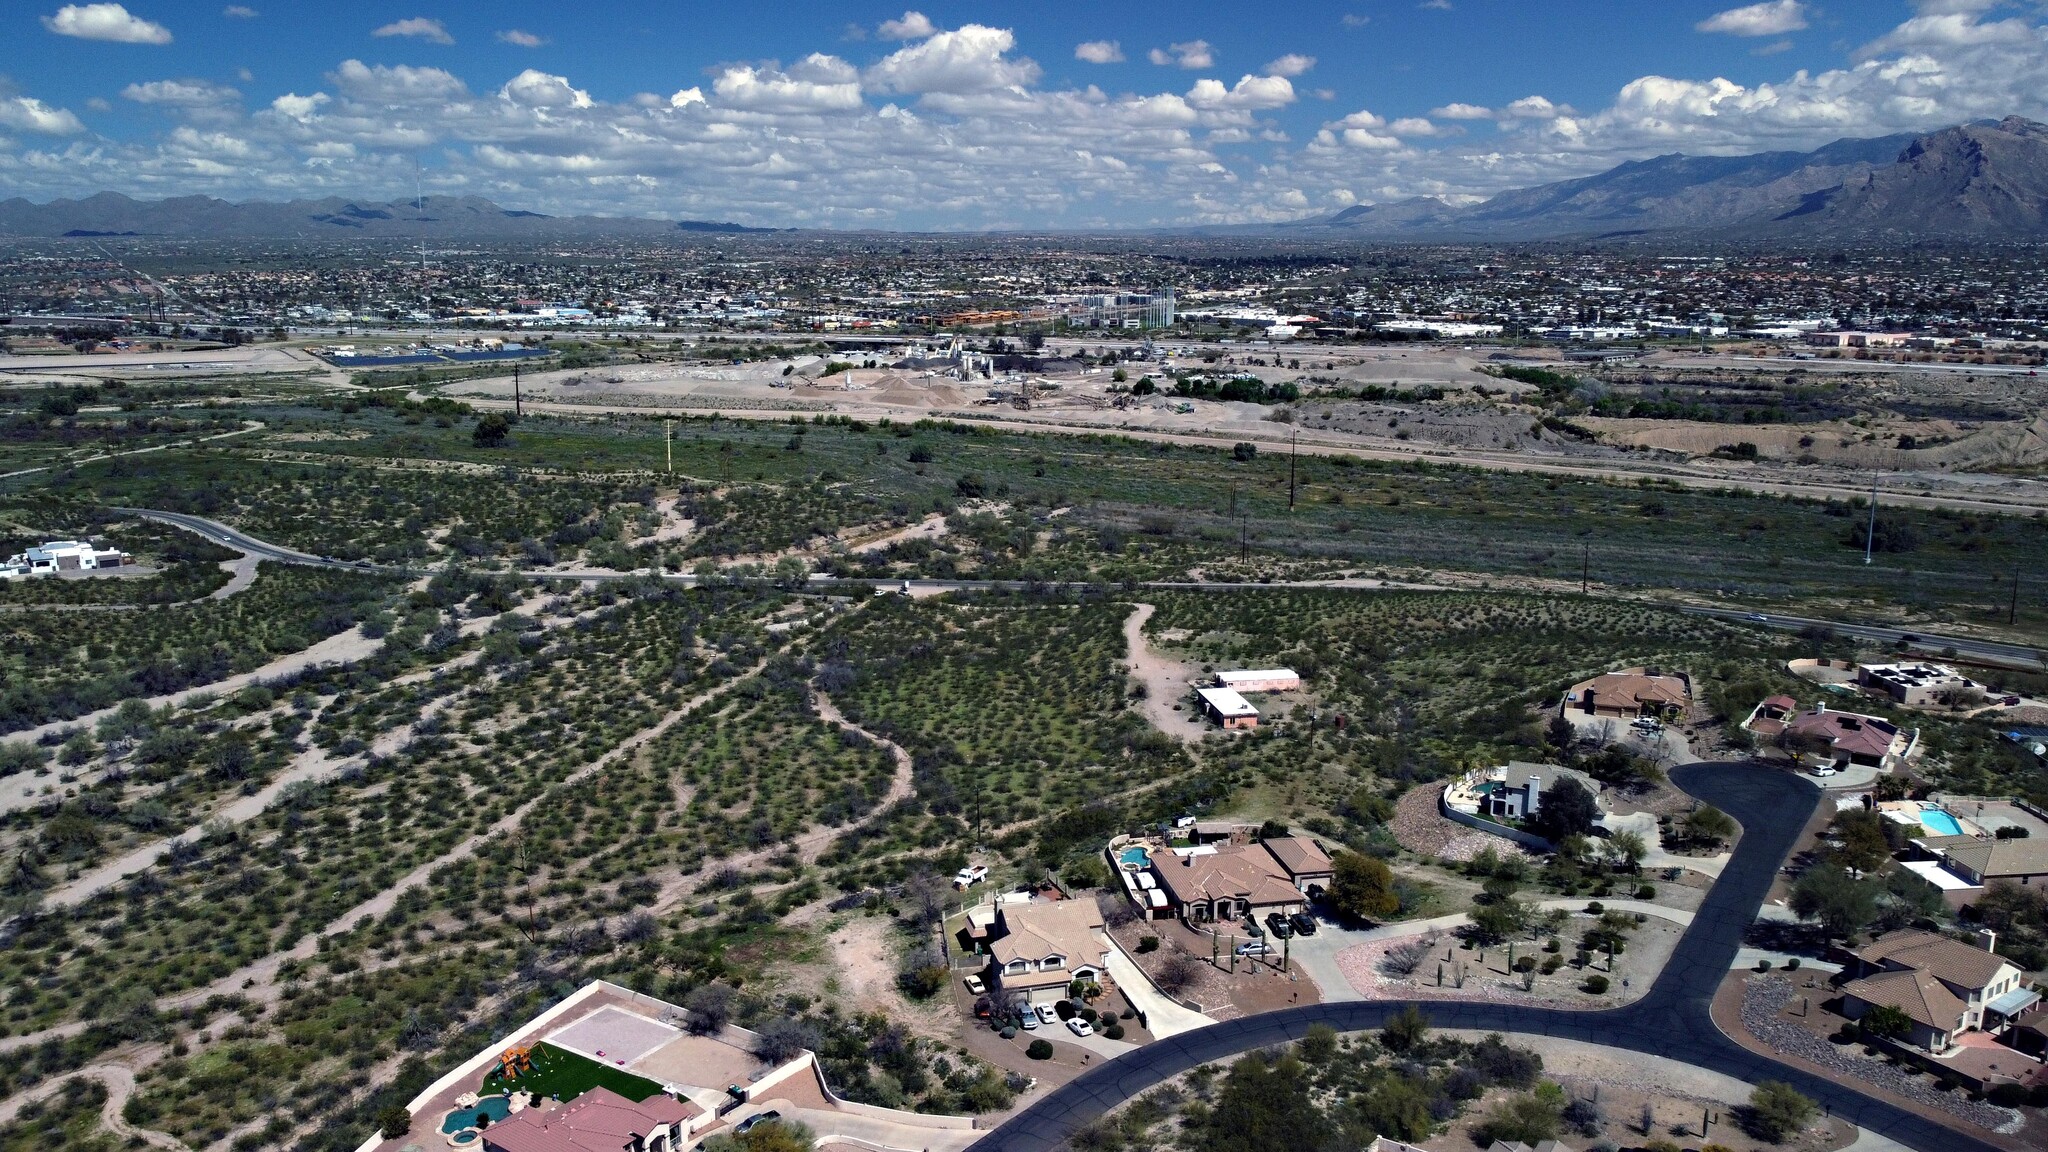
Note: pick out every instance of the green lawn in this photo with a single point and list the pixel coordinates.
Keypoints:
(567, 1075)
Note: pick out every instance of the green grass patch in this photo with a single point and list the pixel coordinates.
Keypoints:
(565, 1076)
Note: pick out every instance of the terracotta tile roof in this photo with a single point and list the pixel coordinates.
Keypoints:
(1962, 965)
(1241, 872)
(1848, 732)
(1919, 995)
(1637, 687)
(1300, 855)
(1035, 931)
(599, 1120)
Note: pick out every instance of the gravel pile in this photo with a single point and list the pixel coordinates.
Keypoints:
(1420, 828)
(1762, 1000)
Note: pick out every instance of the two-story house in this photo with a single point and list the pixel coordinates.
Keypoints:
(1040, 949)
(1945, 987)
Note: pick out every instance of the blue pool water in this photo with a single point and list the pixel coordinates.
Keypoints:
(495, 1107)
(1135, 857)
(1939, 822)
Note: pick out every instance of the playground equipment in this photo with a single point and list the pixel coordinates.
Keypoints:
(514, 1062)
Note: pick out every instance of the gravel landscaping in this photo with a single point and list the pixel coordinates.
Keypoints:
(1763, 1000)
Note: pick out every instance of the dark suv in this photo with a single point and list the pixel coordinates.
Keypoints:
(1278, 924)
(1303, 923)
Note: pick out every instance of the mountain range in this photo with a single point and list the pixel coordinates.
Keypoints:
(432, 218)
(1980, 181)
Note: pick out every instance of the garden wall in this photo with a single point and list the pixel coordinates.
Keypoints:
(1474, 820)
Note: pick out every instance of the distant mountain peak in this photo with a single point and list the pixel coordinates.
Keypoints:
(430, 217)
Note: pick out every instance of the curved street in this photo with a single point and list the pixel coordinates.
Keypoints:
(1673, 1021)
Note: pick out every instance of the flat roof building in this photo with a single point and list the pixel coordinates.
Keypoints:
(1260, 680)
(1227, 708)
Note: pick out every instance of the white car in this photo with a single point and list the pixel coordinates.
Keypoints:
(1080, 1027)
(1826, 770)
(971, 875)
(1046, 1015)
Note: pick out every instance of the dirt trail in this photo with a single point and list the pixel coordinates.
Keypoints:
(119, 1080)
(899, 785)
(930, 528)
(384, 901)
(1165, 680)
(340, 648)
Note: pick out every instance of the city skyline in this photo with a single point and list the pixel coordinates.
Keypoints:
(968, 116)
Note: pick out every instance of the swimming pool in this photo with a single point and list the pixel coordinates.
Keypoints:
(1939, 822)
(495, 1107)
(1135, 857)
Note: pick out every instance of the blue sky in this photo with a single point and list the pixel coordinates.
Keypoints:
(966, 115)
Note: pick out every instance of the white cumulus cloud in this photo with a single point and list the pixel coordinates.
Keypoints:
(239, 12)
(417, 28)
(520, 37)
(909, 26)
(1099, 52)
(106, 22)
(181, 93)
(1771, 18)
(28, 114)
(396, 83)
(818, 83)
(299, 107)
(1292, 64)
(536, 89)
(1188, 54)
(1455, 111)
(970, 59)
(1251, 93)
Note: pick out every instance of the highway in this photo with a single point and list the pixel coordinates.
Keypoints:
(1672, 1021)
(1989, 651)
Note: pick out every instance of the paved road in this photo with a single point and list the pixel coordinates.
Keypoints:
(2019, 655)
(1672, 1021)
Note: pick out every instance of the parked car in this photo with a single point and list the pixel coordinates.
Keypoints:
(757, 1119)
(1646, 724)
(1046, 1015)
(1826, 770)
(1080, 1027)
(1278, 923)
(1254, 948)
(974, 984)
(971, 875)
(1026, 1018)
(1303, 923)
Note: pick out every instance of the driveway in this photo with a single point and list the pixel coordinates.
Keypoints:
(1644, 824)
(1672, 1021)
(1163, 1017)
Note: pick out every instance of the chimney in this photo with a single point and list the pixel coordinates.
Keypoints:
(1987, 939)
(1535, 795)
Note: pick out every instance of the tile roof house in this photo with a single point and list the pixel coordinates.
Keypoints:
(1238, 880)
(1631, 692)
(1848, 737)
(1981, 860)
(599, 1120)
(1943, 986)
(1040, 949)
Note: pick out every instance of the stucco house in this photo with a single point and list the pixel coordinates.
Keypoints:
(599, 1120)
(1631, 692)
(1039, 949)
(1231, 881)
(1944, 986)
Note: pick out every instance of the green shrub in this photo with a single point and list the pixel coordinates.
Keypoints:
(1595, 984)
(1039, 1050)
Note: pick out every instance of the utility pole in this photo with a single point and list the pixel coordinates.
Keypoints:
(1293, 441)
(1585, 567)
(1870, 531)
(668, 436)
(518, 408)
(1244, 539)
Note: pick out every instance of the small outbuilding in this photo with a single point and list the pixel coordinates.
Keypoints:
(1260, 680)
(1227, 708)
